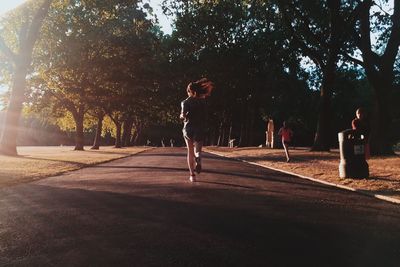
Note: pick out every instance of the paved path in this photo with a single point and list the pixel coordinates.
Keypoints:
(142, 211)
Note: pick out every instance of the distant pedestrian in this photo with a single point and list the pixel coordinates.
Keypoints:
(193, 114)
(269, 142)
(286, 134)
(360, 123)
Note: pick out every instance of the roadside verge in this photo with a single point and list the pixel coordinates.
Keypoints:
(322, 167)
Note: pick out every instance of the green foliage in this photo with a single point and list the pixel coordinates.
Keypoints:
(101, 57)
(94, 55)
(241, 47)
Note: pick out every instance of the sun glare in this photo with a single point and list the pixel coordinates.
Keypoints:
(9, 4)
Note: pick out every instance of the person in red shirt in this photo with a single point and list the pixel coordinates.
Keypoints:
(286, 134)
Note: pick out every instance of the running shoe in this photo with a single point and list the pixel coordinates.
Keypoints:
(198, 164)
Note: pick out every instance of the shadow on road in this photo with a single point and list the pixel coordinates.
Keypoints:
(190, 226)
(266, 175)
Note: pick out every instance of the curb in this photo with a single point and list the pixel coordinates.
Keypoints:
(381, 197)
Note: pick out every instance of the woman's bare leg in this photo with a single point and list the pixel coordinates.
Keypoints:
(190, 155)
(198, 145)
(286, 148)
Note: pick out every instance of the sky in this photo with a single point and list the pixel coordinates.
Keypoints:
(165, 23)
(7, 5)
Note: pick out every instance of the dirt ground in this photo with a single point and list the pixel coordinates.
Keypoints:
(384, 171)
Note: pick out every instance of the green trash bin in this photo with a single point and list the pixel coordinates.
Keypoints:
(352, 155)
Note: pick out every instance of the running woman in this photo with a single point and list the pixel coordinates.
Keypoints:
(193, 114)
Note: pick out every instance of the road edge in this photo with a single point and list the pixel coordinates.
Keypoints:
(362, 192)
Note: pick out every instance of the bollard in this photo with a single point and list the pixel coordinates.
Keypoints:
(352, 155)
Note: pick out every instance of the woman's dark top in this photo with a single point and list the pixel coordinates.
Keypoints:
(194, 109)
(362, 126)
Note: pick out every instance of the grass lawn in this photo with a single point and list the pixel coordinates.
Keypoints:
(37, 162)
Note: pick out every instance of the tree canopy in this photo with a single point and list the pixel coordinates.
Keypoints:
(107, 67)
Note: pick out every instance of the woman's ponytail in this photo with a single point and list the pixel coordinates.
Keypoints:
(202, 87)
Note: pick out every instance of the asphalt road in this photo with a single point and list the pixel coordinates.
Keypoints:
(143, 211)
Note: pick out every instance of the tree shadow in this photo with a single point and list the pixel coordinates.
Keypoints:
(191, 226)
(265, 175)
(205, 155)
(383, 178)
(383, 192)
(228, 184)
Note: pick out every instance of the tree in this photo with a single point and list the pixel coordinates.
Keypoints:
(87, 53)
(98, 113)
(318, 29)
(241, 47)
(378, 61)
(28, 33)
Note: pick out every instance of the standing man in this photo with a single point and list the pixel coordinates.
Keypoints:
(269, 142)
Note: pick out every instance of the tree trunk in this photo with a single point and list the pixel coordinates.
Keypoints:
(220, 134)
(118, 135)
(28, 37)
(223, 136)
(8, 144)
(97, 139)
(380, 74)
(79, 138)
(230, 132)
(136, 136)
(251, 127)
(322, 140)
(127, 132)
(380, 139)
(137, 126)
(242, 137)
(248, 125)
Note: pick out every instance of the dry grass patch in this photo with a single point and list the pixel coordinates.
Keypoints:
(384, 171)
(37, 162)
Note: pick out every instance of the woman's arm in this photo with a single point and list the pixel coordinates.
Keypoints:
(182, 116)
(184, 111)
